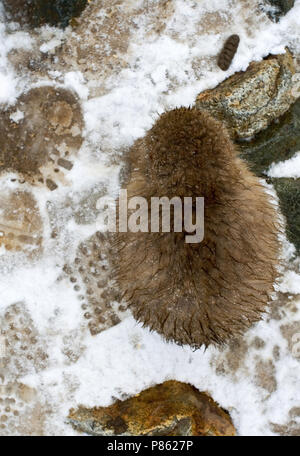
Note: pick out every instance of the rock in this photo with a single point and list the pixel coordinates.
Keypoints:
(170, 409)
(288, 191)
(39, 12)
(249, 101)
(279, 142)
(277, 8)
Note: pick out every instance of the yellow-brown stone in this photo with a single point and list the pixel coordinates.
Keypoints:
(169, 409)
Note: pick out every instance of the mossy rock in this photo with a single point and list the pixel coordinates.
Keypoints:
(277, 143)
(288, 191)
(38, 12)
(281, 7)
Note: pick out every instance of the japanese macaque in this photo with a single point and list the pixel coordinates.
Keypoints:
(207, 292)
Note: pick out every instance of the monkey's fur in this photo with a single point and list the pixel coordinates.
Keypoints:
(205, 293)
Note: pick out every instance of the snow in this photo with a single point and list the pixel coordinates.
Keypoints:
(17, 116)
(160, 74)
(288, 168)
(291, 283)
(74, 80)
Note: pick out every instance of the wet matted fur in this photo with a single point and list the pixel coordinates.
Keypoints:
(203, 293)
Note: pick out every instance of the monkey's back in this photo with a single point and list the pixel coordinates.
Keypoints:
(211, 291)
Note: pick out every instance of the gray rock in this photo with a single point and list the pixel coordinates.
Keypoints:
(277, 8)
(169, 409)
(249, 101)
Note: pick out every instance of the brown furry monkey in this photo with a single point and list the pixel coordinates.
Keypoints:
(198, 293)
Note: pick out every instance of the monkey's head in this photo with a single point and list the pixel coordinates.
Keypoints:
(188, 154)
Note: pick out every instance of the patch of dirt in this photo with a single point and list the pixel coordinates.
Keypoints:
(21, 226)
(265, 375)
(291, 332)
(38, 12)
(40, 135)
(91, 277)
(20, 410)
(292, 428)
(232, 358)
(23, 350)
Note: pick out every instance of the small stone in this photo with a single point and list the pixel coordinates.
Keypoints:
(51, 185)
(279, 8)
(65, 163)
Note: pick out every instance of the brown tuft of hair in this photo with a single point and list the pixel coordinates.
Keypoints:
(205, 293)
